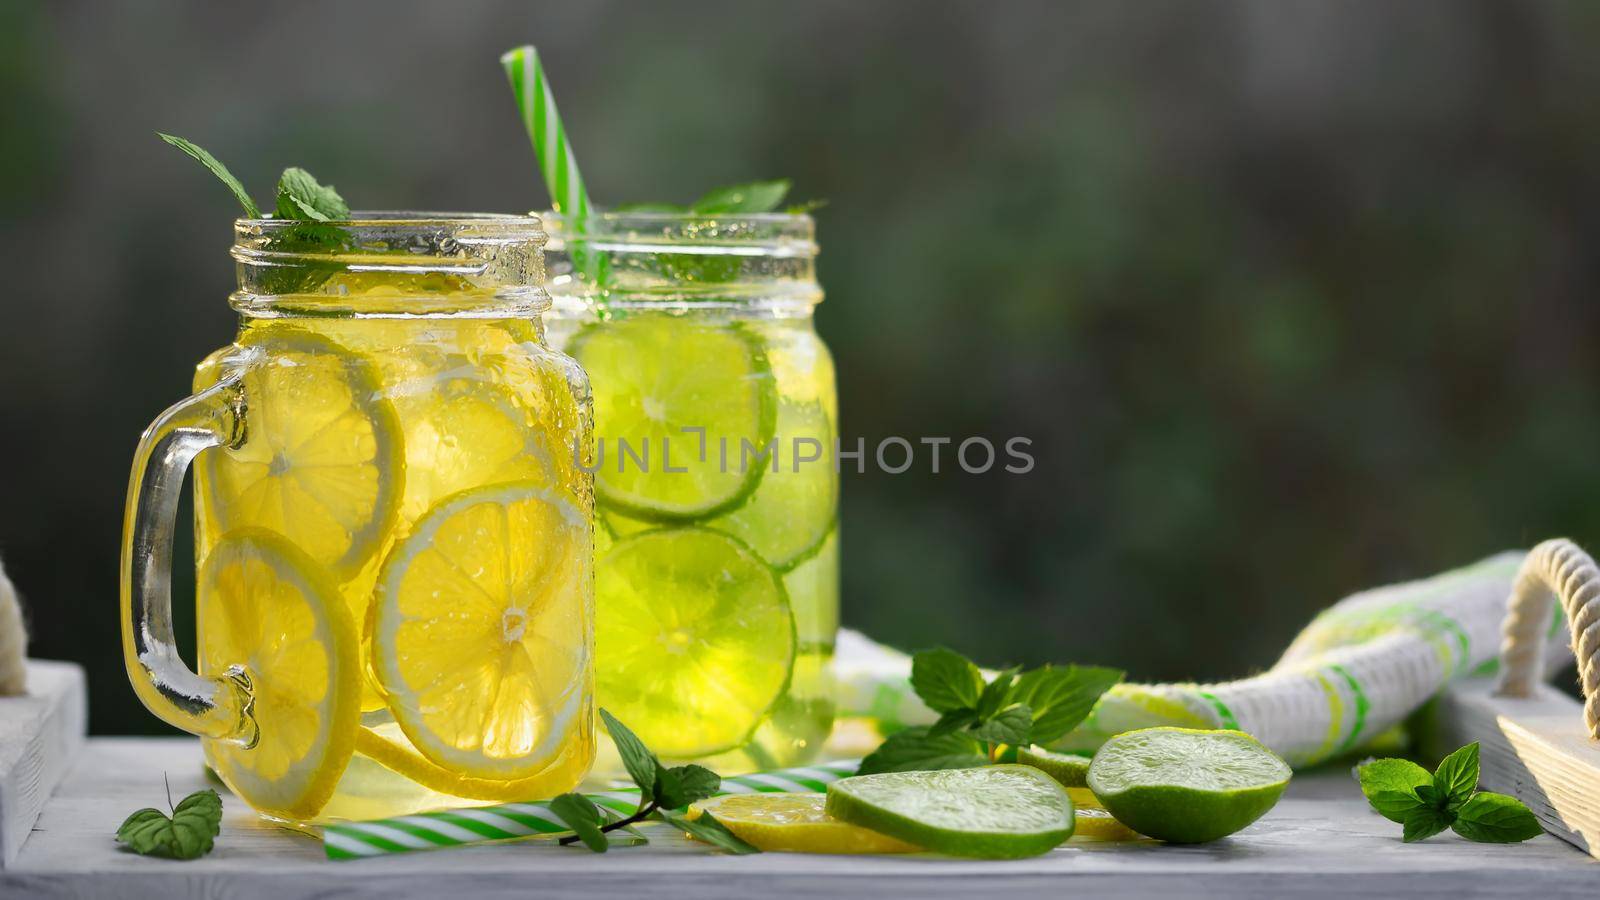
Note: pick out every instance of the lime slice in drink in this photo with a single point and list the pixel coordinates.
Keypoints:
(655, 376)
(1068, 769)
(790, 514)
(1187, 786)
(813, 587)
(994, 812)
(794, 823)
(696, 638)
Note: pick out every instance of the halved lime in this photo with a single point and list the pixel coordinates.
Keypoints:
(994, 812)
(1068, 769)
(1187, 786)
(695, 404)
(695, 639)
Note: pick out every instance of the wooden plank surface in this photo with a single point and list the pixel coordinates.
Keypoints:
(41, 732)
(1535, 749)
(1320, 841)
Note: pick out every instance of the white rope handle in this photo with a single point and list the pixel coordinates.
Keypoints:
(1557, 569)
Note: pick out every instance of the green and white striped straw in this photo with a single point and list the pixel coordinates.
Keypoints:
(510, 821)
(550, 145)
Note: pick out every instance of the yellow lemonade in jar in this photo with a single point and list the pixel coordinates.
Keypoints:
(394, 533)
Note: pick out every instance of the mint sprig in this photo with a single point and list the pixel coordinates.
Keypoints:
(662, 791)
(984, 722)
(301, 199)
(188, 833)
(1425, 804)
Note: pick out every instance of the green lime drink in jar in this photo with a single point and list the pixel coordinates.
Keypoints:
(716, 484)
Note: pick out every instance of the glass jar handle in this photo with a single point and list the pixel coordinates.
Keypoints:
(210, 707)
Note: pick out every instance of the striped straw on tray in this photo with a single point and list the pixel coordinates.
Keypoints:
(510, 821)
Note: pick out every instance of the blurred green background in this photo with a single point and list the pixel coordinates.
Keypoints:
(1292, 298)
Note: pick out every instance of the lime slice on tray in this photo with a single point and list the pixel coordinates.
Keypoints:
(322, 461)
(267, 606)
(993, 812)
(795, 823)
(1068, 769)
(696, 636)
(655, 375)
(479, 634)
(1187, 786)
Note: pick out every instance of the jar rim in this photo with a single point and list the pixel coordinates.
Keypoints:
(401, 218)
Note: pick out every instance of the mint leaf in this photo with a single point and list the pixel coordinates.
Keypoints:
(188, 834)
(1431, 796)
(1496, 819)
(1390, 786)
(218, 169)
(680, 786)
(800, 209)
(641, 764)
(1457, 776)
(913, 749)
(945, 680)
(1011, 725)
(300, 196)
(753, 197)
(953, 721)
(1061, 696)
(580, 814)
(1397, 805)
(1424, 822)
(996, 694)
(708, 829)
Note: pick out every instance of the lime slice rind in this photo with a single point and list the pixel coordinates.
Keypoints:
(1070, 770)
(992, 812)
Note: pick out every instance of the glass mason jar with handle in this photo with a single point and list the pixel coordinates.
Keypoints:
(716, 485)
(393, 543)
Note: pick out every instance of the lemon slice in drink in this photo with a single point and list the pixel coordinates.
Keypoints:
(462, 432)
(480, 636)
(655, 375)
(696, 636)
(387, 745)
(321, 463)
(1185, 785)
(794, 823)
(267, 606)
